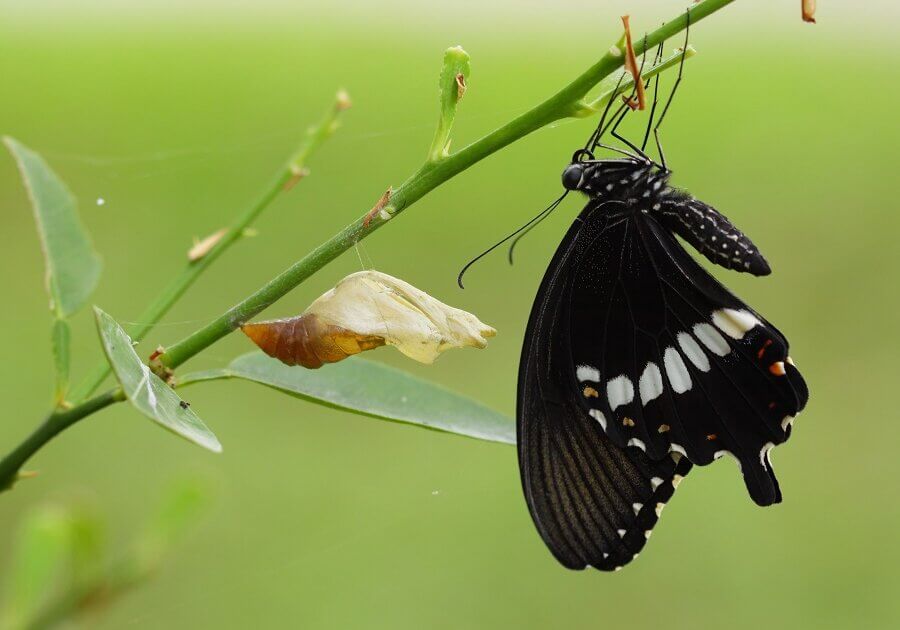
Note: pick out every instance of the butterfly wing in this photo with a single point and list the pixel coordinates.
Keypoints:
(673, 362)
(594, 503)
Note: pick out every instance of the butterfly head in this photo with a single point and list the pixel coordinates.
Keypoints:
(611, 177)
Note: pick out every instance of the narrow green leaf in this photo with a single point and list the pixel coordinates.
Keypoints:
(372, 389)
(73, 267)
(146, 391)
(59, 342)
(40, 557)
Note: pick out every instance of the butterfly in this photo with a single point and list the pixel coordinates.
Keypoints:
(638, 365)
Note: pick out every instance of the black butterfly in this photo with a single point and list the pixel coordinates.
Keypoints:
(637, 364)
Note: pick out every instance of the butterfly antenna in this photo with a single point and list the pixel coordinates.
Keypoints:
(546, 213)
(540, 216)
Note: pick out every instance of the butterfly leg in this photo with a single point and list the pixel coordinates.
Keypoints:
(662, 116)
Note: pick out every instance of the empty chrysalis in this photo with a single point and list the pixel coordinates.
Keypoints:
(366, 310)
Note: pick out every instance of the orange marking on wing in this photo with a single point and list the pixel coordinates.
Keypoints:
(762, 351)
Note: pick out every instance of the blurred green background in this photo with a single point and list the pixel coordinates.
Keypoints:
(178, 115)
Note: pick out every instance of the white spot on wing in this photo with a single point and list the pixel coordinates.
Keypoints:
(711, 338)
(734, 323)
(650, 384)
(655, 482)
(722, 453)
(693, 352)
(676, 370)
(619, 391)
(598, 415)
(636, 507)
(764, 455)
(788, 421)
(587, 373)
(639, 443)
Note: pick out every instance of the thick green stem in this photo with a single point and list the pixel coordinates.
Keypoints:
(55, 422)
(565, 103)
(290, 173)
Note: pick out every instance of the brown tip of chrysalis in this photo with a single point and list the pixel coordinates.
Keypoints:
(308, 341)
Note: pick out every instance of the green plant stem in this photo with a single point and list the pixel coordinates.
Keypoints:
(566, 103)
(294, 169)
(54, 423)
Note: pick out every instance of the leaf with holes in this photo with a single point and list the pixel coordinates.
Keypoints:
(372, 389)
(146, 391)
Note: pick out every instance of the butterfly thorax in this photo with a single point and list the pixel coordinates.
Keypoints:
(628, 179)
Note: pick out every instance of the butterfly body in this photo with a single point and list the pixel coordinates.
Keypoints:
(638, 364)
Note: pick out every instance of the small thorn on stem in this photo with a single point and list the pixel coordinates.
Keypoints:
(297, 173)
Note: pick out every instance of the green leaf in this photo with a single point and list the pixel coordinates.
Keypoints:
(59, 342)
(40, 558)
(452, 85)
(73, 267)
(372, 389)
(146, 391)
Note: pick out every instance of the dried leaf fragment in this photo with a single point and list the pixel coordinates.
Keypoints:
(202, 247)
(363, 311)
(631, 66)
(460, 85)
(808, 9)
(378, 207)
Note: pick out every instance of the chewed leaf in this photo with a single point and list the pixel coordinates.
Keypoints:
(366, 310)
(73, 267)
(146, 391)
(373, 389)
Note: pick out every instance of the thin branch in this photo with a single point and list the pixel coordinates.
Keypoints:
(287, 176)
